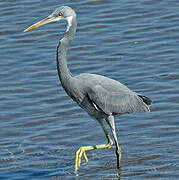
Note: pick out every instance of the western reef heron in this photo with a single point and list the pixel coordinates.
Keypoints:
(101, 97)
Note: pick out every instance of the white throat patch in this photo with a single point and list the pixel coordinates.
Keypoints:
(69, 21)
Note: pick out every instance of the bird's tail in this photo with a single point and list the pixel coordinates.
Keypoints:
(145, 99)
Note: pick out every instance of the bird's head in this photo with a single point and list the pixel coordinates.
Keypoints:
(61, 13)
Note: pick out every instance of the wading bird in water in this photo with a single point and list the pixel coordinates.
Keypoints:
(101, 97)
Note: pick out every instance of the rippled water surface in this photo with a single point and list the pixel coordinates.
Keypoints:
(133, 41)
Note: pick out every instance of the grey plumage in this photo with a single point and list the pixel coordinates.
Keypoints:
(110, 96)
(101, 97)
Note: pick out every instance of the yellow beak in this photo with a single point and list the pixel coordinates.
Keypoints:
(40, 23)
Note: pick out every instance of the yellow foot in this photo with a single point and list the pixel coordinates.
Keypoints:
(81, 151)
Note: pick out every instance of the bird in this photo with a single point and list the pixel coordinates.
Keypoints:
(101, 97)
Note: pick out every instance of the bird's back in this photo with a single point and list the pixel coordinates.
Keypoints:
(110, 96)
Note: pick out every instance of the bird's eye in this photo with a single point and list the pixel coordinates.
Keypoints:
(60, 14)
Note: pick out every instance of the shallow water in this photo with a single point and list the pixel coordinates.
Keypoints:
(133, 41)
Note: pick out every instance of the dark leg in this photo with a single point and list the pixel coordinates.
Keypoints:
(110, 142)
(110, 121)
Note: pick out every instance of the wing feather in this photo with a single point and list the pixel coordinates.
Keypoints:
(116, 102)
(110, 96)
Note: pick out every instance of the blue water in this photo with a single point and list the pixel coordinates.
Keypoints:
(133, 41)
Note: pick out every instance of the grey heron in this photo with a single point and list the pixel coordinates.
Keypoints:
(101, 97)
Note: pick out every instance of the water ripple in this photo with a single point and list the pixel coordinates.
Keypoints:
(134, 42)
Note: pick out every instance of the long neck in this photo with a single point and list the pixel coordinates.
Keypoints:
(63, 71)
